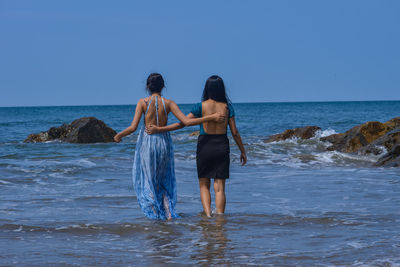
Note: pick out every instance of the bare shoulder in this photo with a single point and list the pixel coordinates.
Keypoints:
(142, 103)
(169, 102)
(207, 103)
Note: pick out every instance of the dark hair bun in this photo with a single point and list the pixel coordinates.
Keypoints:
(155, 83)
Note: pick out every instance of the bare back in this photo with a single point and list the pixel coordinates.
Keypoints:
(151, 105)
(209, 107)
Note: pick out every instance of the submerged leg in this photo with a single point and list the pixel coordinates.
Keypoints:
(153, 206)
(220, 199)
(205, 195)
(166, 207)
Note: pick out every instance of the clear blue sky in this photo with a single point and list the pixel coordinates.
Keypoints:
(100, 52)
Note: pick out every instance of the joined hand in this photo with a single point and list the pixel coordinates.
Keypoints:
(117, 138)
(219, 117)
(151, 129)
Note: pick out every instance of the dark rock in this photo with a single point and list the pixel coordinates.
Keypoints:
(37, 138)
(393, 123)
(59, 132)
(83, 130)
(390, 159)
(360, 136)
(195, 133)
(388, 141)
(303, 133)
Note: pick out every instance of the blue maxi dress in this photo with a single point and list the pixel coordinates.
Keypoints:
(154, 172)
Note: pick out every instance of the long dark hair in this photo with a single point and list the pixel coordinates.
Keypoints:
(155, 83)
(215, 90)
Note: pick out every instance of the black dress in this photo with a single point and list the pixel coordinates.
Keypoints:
(212, 156)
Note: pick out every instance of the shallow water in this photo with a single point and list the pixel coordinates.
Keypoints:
(293, 204)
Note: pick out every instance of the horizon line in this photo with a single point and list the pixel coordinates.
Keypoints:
(187, 103)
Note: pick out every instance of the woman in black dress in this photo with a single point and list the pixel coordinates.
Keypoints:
(212, 155)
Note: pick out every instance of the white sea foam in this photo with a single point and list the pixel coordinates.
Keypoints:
(52, 141)
(326, 157)
(183, 137)
(86, 162)
(356, 244)
(20, 228)
(392, 262)
(56, 175)
(339, 157)
(325, 133)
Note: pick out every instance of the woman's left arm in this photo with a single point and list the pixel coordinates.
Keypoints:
(135, 122)
(238, 140)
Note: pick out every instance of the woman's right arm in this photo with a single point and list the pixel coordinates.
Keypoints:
(238, 140)
(134, 124)
(152, 129)
(188, 120)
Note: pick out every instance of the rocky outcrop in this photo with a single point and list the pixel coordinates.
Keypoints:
(372, 137)
(83, 130)
(303, 133)
(361, 136)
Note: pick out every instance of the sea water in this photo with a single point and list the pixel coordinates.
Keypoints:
(294, 203)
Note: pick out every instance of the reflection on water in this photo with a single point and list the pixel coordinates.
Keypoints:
(162, 242)
(213, 243)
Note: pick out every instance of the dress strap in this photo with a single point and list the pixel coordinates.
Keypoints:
(147, 109)
(148, 105)
(156, 108)
(165, 110)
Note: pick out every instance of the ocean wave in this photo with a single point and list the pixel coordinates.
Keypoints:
(82, 228)
(5, 182)
(85, 163)
(183, 138)
(56, 164)
(105, 196)
(379, 262)
(188, 220)
(293, 153)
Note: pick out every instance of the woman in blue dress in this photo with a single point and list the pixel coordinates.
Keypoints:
(153, 166)
(212, 156)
